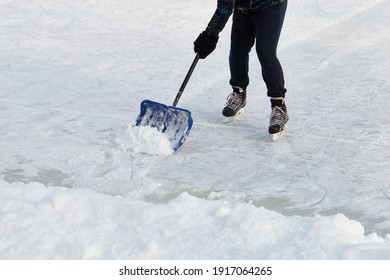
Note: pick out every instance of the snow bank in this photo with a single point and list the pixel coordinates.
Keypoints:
(57, 223)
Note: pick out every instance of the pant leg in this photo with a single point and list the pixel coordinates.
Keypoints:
(268, 25)
(242, 41)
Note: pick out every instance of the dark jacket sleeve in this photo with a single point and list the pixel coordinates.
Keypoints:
(220, 17)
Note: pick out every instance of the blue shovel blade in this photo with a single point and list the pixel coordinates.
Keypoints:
(173, 122)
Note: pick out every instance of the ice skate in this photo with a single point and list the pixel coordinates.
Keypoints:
(236, 101)
(278, 119)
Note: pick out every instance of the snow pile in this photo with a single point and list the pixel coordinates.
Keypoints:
(148, 140)
(58, 223)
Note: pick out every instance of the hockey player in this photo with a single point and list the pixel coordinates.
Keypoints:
(254, 21)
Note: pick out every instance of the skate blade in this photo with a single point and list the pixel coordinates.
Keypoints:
(277, 136)
(236, 116)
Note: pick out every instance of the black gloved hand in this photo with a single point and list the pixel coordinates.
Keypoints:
(205, 44)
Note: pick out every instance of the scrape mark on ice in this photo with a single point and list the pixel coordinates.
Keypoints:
(149, 140)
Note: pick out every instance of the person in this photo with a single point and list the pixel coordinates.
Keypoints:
(253, 21)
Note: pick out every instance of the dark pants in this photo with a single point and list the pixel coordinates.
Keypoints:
(264, 27)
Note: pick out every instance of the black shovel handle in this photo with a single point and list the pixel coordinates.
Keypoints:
(186, 79)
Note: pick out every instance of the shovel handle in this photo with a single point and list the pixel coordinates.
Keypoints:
(186, 79)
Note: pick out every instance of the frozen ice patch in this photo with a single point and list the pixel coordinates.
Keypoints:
(148, 140)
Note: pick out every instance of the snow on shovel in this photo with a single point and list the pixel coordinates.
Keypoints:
(175, 123)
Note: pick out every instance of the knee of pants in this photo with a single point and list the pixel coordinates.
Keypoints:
(267, 57)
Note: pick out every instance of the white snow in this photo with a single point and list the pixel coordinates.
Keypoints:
(74, 183)
(148, 140)
(59, 223)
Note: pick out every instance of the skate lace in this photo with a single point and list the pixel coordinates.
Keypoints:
(234, 100)
(277, 115)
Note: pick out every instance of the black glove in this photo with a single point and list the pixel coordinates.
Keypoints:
(205, 44)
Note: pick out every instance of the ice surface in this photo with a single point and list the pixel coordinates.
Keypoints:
(72, 77)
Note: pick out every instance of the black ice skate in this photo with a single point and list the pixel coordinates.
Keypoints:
(278, 119)
(236, 101)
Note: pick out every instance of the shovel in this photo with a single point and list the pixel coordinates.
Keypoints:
(172, 121)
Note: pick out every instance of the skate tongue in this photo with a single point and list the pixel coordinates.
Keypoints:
(276, 101)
